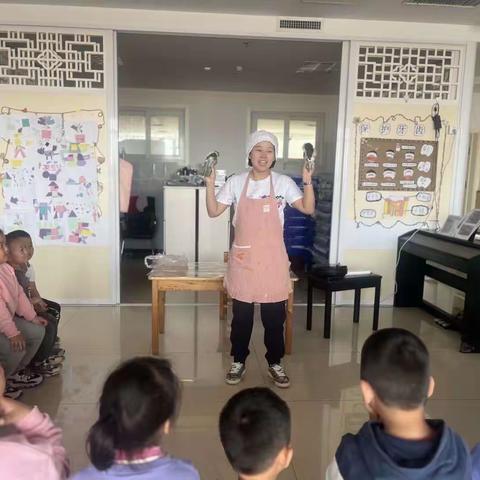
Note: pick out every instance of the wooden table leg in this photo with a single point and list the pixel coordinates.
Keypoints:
(289, 324)
(223, 305)
(161, 311)
(155, 318)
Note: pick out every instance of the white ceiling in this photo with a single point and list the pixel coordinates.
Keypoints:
(361, 9)
(177, 62)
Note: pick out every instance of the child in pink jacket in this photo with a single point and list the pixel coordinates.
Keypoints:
(21, 329)
(30, 445)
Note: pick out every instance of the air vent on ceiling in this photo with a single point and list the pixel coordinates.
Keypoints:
(299, 24)
(444, 3)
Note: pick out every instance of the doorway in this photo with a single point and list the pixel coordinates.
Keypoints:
(181, 97)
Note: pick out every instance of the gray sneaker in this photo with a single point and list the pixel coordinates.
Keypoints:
(12, 392)
(23, 379)
(278, 375)
(236, 373)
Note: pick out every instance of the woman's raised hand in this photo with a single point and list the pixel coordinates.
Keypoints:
(210, 180)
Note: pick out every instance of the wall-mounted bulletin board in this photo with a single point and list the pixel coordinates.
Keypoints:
(397, 164)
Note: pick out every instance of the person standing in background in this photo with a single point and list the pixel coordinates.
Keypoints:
(258, 265)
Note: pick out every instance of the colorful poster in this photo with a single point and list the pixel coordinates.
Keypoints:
(399, 168)
(50, 175)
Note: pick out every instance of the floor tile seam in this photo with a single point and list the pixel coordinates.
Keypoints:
(63, 403)
(292, 464)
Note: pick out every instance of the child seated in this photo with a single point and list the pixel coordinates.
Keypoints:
(40, 304)
(255, 434)
(30, 444)
(21, 329)
(399, 442)
(137, 406)
(46, 361)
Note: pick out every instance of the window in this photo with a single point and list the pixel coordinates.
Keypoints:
(159, 135)
(277, 127)
(292, 131)
(132, 133)
(165, 135)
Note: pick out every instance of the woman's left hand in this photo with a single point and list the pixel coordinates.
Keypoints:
(307, 175)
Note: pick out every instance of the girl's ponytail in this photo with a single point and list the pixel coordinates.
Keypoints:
(101, 443)
(137, 399)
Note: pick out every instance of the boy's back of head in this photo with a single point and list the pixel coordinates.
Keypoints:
(396, 364)
(254, 429)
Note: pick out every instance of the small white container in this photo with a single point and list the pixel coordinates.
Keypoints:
(220, 178)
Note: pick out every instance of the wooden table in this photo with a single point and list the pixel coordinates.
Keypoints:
(198, 277)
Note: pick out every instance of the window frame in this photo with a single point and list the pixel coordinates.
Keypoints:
(287, 117)
(148, 113)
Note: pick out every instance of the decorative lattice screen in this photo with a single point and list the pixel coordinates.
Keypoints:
(398, 72)
(51, 59)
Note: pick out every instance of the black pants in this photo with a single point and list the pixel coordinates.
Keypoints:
(53, 317)
(273, 319)
(46, 347)
(54, 308)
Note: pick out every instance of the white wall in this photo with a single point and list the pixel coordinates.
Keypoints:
(473, 176)
(475, 116)
(220, 120)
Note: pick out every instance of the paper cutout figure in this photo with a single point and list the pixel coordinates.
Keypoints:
(395, 206)
(385, 128)
(424, 166)
(424, 182)
(426, 150)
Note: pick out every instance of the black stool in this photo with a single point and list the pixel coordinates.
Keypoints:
(336, 284)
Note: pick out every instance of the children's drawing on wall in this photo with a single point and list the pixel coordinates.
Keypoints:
(50, 167)
(398, 171)
(81, 221)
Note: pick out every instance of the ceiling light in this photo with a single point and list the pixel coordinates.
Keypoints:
(207, 69)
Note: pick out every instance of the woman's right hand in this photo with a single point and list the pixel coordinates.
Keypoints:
(17, 343)
(210, 180)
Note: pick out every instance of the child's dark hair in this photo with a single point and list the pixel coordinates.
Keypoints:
(254, 427)
(396, 364)
(138, 397)
(16, 234)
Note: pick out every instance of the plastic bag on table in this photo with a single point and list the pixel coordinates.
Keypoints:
(161, 260)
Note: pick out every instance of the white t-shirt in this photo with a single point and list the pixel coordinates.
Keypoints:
(30, 273)
(286, 190)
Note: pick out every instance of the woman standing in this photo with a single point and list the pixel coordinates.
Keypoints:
(258, 266)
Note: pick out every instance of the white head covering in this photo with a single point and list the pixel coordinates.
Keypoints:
(261, 136)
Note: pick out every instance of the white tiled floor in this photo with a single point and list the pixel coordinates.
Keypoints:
(323, 397)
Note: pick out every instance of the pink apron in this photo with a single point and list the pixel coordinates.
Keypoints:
(258, 267)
